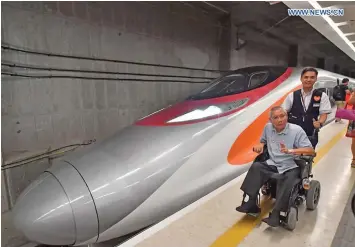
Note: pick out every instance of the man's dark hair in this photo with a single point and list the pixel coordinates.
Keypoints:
(345, 80)
(309, 69)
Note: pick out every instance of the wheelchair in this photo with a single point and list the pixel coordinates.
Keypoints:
(304, 189)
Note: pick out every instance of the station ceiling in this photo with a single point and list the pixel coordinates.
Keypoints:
(339, 30)
(269, 20)
(345, 23)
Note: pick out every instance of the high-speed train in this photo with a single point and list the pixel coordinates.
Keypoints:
(160, 164)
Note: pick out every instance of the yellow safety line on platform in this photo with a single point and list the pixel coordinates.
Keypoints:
(235, 235)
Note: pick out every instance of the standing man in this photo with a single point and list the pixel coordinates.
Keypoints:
(308, 107)
(339, 95)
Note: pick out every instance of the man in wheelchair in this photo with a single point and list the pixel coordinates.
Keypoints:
(283, 141)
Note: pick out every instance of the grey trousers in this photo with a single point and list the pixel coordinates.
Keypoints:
(258, 175)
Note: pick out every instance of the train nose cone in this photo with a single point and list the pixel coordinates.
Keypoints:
(43, 213)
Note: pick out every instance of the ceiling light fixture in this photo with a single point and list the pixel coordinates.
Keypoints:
(316, 5)
(348, 34)
(339, 24)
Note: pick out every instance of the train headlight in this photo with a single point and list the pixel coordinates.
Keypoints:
(198, 114)
(209, 111)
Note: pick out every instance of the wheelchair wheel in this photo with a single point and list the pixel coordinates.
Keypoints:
(291, 219)
(313, 195)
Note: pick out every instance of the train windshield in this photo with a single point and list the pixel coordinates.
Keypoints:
(240, 81)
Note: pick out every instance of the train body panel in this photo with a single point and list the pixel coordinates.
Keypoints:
(169, 159)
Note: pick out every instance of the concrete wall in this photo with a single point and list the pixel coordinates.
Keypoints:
(254, 55)
(38, 113)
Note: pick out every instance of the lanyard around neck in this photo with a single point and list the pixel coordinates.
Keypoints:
(303, 104)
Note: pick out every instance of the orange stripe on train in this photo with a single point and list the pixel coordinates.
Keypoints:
(241, 151)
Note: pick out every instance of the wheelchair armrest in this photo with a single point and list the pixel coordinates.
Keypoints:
(307, 158)
(263, 156)
(305, 164)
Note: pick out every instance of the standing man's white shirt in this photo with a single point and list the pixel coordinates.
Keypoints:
(324, 107)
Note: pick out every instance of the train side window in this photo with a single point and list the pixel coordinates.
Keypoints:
(257, 79)
(229, 83)
(239, 81)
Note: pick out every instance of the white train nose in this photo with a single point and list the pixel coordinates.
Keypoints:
(57, 208)
(43, 213)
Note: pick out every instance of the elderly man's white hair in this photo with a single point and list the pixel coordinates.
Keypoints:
(275, 108)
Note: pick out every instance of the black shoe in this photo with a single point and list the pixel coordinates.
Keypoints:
(254, 209)
(273, 220)
(249, 207)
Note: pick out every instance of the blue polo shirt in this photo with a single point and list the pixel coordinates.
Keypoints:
(293, 136)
